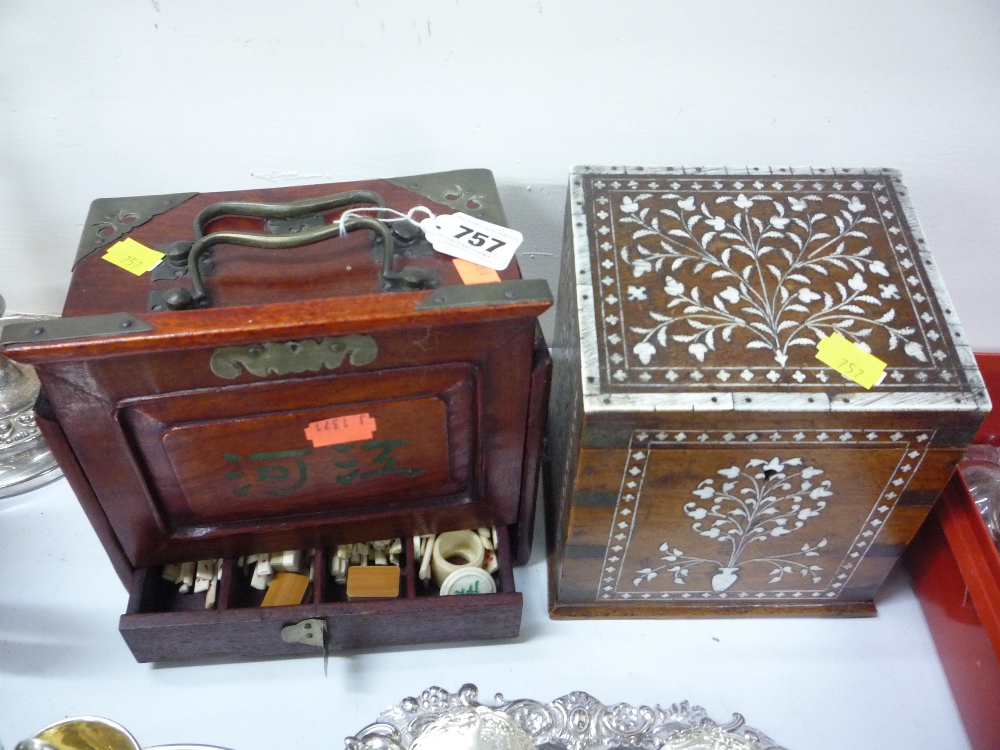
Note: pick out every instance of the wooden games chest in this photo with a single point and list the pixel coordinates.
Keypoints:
(703, 461)
(182, 418)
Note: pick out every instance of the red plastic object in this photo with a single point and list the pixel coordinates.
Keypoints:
(955, 569)
(989, 366)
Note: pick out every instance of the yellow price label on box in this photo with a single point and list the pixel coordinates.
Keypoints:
(850, 360)
(133, 256)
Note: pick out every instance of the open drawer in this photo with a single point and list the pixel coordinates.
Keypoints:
(164, 625)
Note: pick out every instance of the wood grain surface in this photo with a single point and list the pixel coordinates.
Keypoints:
(197, 439)
(707, 462)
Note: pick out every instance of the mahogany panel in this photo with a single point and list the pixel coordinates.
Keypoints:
(264, 466)
(534, 442)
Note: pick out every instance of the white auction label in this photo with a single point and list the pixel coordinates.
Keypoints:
(466, 237)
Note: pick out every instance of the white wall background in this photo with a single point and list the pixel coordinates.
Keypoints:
(115, 97)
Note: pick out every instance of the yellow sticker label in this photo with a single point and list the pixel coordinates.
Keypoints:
(133, 256)
(850, 360)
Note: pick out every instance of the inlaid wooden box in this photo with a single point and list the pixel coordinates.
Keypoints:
(188, 423)
(702, 460)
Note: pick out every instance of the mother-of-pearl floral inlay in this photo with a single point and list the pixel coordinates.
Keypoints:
(719, 281)
(769, 265)
(755, 529)
(747, 506)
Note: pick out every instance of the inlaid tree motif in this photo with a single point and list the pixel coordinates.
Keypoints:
(765, 253)
(750, 506)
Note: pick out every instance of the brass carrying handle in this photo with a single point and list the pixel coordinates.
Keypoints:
(290, 210)
(409, 277)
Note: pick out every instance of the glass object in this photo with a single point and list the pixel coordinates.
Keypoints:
(25, 459)
(981, 470)
(92, 733)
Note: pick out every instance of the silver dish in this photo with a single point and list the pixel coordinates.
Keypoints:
(578, 721)
(25, 459)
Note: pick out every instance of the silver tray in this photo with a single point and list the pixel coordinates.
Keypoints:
(439, 720)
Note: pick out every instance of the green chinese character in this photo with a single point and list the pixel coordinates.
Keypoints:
(279, 476)
(387, 461)
(345, 478)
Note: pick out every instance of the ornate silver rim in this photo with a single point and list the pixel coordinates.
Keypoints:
(576, 721)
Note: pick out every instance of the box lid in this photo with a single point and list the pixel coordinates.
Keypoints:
(329, 284)
(711, 288)
(308, 258)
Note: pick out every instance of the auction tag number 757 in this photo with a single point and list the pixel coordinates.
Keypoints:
(472, 239)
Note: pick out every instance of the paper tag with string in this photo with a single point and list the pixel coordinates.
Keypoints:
(458, 235)
(466, 237)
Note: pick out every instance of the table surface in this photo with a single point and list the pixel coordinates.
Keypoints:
(807, 683)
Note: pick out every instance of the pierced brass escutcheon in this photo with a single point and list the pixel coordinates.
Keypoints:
(285, 357)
